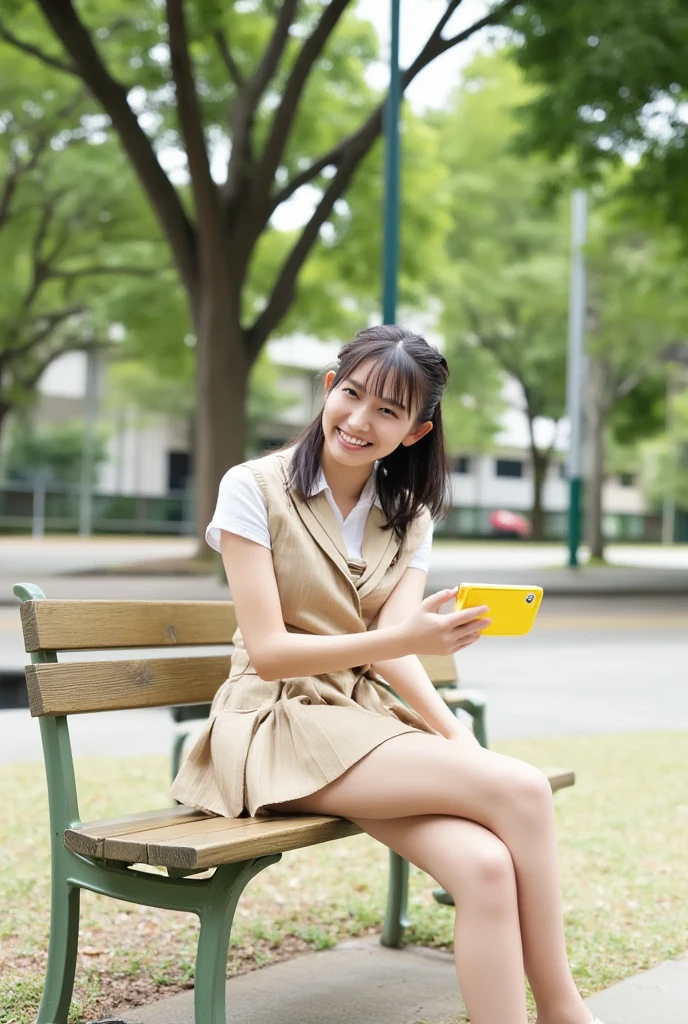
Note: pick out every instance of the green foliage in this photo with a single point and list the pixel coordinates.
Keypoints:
(612, 85)
(665, 459)
(54, 453)
(505, 282)
(73, 227)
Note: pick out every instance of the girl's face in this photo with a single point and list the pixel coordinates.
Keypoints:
(360, 427)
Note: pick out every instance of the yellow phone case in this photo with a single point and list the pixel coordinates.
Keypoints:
(512, 608)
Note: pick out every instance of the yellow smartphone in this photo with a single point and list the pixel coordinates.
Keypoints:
(512, 607)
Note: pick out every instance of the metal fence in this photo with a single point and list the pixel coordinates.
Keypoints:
(53, 509)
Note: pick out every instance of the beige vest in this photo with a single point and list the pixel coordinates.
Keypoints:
(261, 745)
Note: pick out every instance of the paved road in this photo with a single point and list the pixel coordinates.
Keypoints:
(590, 665)
(24, 557)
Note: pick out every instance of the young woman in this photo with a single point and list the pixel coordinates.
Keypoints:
(326, 547)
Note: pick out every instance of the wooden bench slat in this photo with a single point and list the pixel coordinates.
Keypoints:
(213, 841)
(440, 668)
(104, 625)
(455, 696)
(66, 688)
(184, 838)
(560, 778)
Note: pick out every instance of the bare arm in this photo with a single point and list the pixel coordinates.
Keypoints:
(406, 675)
(278, 654)
(275, 653)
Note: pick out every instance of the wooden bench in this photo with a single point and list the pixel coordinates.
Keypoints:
(101, 855)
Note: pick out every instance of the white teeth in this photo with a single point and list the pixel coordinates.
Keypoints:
(353, 440)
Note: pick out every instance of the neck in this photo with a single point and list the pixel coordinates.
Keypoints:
(346, 483)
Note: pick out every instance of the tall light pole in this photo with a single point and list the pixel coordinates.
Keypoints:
(395, 919)
(574, 367)
(390, 237)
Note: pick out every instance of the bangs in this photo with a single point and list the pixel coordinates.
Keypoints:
(394, 377)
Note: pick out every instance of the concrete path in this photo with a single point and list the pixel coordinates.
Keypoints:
(360, 981)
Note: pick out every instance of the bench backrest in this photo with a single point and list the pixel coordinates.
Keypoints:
(111, 685)
(60, 689)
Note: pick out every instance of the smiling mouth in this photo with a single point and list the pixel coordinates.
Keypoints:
(350, 439)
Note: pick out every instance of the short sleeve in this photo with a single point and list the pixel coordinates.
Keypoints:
(240, 509)
(421, 556)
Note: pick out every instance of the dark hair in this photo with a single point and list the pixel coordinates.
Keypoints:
(410, 477)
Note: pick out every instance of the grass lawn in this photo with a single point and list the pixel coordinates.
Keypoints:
(623, 830)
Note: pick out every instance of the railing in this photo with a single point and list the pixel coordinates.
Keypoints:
(54, 509)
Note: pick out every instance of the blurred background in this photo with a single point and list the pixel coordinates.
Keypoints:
(198, 206)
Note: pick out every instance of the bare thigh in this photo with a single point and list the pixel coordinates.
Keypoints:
(420, 774)
(454, 851)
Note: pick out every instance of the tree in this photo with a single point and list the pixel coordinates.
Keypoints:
(70, 227)
(664, 459)
(611, 87)
(505, 281)
(54, 453)
(281, 89)
(637, 311)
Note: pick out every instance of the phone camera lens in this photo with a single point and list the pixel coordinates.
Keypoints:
(530, 598)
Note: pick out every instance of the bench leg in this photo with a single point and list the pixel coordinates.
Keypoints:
(216, 916)
(396, 919)
(62, 949)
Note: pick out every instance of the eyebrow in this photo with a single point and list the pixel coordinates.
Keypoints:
(389, 401)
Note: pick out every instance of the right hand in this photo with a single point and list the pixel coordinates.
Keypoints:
(428, 632)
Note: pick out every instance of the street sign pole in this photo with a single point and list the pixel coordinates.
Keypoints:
(574, 368)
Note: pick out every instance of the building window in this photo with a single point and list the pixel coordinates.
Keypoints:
(509, 467)
(461, 464)
(627, 479)
(178, 470)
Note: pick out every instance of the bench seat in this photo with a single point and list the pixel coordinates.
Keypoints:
(185, 839)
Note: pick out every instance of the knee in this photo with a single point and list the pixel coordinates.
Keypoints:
(488, 878)
(531, 796)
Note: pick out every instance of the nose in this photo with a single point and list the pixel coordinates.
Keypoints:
(358, 419)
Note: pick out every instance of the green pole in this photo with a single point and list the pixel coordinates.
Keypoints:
(390, 240)
(574, 369)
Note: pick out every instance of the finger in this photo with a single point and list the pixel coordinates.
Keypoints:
(475, 626)
(472, 638)
(466, 615)
(435, 601)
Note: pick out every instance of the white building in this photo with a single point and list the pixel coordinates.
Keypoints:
(148, 455)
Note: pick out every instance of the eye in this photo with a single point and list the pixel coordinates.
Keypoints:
(390, 411)
(350, 391)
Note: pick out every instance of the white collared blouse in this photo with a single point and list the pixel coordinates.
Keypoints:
(241, 509)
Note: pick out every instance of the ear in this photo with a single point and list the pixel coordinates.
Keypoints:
(416, 434)
(329, 377)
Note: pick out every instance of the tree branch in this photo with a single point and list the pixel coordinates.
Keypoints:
(246, 103)
(284, 289)
(191, 124)
(284, 115)
(227, 59)
(72, 275)
(35, 51)
(434, 46)
(112, 96)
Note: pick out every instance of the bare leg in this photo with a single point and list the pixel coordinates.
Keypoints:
(420, 774)
(476, 868)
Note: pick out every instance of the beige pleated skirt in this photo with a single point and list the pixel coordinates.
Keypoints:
(267, 742)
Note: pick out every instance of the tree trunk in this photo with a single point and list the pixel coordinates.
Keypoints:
(540, 462)
(222, 370)
(537, 518)
(596, 416)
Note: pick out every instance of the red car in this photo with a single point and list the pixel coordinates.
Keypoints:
(508, 524)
